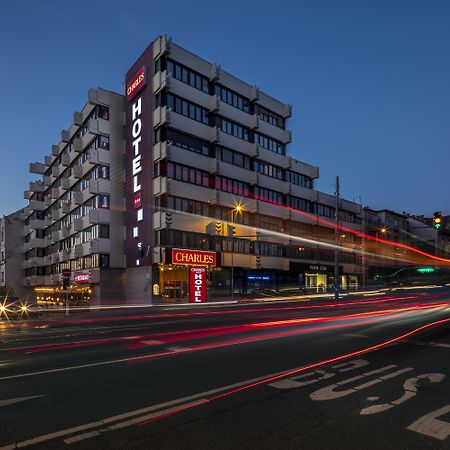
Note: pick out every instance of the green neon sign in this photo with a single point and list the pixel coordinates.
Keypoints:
(426, 269)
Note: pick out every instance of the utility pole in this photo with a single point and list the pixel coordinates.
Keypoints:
(336, 250)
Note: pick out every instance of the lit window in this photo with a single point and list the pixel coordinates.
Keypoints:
(138, 262)
(140, 215)
(135, 231)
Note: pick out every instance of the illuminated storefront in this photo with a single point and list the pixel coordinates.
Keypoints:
(56, 296)
(185, 275)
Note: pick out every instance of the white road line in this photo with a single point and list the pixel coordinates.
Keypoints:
(139, 412)
(11, 401)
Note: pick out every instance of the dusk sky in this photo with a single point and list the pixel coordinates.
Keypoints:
(369, 81)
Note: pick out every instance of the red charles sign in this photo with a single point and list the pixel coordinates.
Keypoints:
(81, 278)
(193, 257)
(197, 285)
(136, 83)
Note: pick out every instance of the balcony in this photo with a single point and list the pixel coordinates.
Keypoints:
(37, 224)
(66, 254)
(26, 230)
(100, 186)
(57, 214)
(56, 171)
(38, 168)
(27, 195)
(81, 171)
(57, 192)
(65, 160)
(100, 216)
(37, 186)
(34, 243)
(48, 180)
(48, 160)
(78, 118)
(100, 246)
(37, 205)
(65, 135)
(161, 81)
(67, 230)
(79, 144)
(82, 250)
(65, 183)
(81, 223)
(55, 150)
(100, 156)
(35, 261)
(79, 198)
(67, 207)
(99, 126)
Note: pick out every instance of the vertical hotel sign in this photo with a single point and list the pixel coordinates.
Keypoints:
(137, 167)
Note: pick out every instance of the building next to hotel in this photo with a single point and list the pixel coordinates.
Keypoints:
(182, 188)
(74, 218)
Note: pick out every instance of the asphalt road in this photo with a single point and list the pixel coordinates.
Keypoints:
(272, 376)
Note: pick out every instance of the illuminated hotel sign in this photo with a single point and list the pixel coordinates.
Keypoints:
(138, 162)
(136, 84)
(193, 257)
(81, 278)
(197, 285)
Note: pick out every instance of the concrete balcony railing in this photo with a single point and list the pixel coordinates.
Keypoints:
(26, 230)
(48, 159)
(79, 144)
(79, 198)
(38, 168)
(99, 156)
(37, 205)
(67, 230)
(100, 246)
(34, 243)
(65, 182)
(48, 180)
(57, 214)
(81, 171)
(37, 186)
(37, 224)
(56, 171)
(65, 160)
(27, 195)
(82, 250)
(65, 135)
(57, 192)
(100, 186)
(67, 207)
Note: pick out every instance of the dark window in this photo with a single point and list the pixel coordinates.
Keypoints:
(187, 142)
(232, 186)
(187, 76)
(233, 157)
(187, 109)
(187, 174)
(268, 195)
(300, 180)
(229, 127)
(269, 170)
(232, 98)
(103, 112)
(103, 142)
(270, 144)
(270, 117)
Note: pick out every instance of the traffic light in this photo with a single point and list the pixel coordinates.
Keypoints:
(437, 220)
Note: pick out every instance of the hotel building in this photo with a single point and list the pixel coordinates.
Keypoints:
(209, 184)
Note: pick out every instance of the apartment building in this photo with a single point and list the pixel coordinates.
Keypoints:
(214, 203)
(74, 218)
(11, 255)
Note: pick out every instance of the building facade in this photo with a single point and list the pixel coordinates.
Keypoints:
(207, 170)
(74, 218)
(11, 254)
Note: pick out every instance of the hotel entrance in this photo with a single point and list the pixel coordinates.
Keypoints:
(184, 275)
(316, 282)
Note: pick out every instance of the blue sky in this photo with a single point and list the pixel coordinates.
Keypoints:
(369, 81)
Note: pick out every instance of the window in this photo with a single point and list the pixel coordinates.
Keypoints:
(298, 203)
(187, 142)
(187, 109)
(103, 260)
(103, 112)
(233, 99)
(232, 186)
(323, 210)
(270, 144)
(187, 174)
(187, 76)
(102, 142)
(229, 127)
(135, 232)
(233, 157)
(268, 195)
(269, 170)
(270, 117)
(140, 215)
(300, 180)
(187, 205)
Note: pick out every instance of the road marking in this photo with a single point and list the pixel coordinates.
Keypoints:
(330, 393)
(431, 426)
(130, 414)
(410, 387)
(11, 401)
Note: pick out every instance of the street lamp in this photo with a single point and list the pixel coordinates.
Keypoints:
(237, 209)
(383, 231)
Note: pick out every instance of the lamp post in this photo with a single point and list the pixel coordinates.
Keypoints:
(237, 209)
(383, 230)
